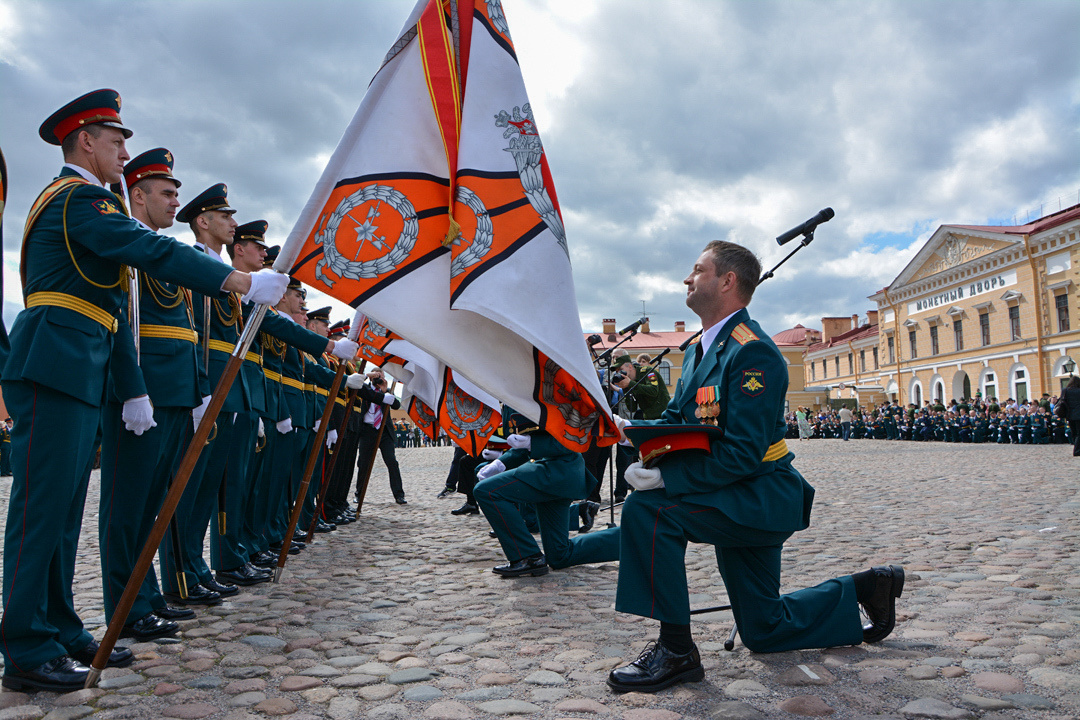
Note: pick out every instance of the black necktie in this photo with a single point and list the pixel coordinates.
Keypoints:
(697, 355)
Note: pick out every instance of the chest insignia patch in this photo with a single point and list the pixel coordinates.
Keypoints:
(106, 207)
(753, 382)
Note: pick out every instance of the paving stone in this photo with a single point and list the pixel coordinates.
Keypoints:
(745, 689)
(508, 707)
(296, 683)
(276, 706)
(582, 705)
(651, 714)
(192, 711)
(22, 712)
(807, 705)
(934, 708)
(545, 677)
(449, 710)
(70, 712)
(984, 704)
(422, 693)
(732, 710)
(412, 675)
(997, 682)
(800, 675)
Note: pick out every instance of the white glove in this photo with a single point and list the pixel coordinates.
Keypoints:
(355, 381)
(197, 413)
(621, 422)
(331, 438)
(643, 478)
(317, 424)
(492, 468)
(344, 349)
(262, 429)
(389, 398)
(285, 426)
(519, 441)
(267, 287)
(489, 454)
(138, 414)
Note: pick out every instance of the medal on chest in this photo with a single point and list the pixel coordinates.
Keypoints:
(708, 404)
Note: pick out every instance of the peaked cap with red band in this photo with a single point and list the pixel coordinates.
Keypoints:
(93, 108)
(656, 441)
(152, 163)
(214, 197)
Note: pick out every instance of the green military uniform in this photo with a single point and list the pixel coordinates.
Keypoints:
(136, 469)
(62, 349)
(548, 476)
(744, 497)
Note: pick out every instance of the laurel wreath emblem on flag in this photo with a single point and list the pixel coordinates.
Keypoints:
(481, 241)
(365, 230)
(467, 414)
(527, 150)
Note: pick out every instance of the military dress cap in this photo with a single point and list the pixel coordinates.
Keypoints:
(657, 441)
(516, 423)
(271, 255)
(340, 328)
(254, 231)
(294, 284)
(214, 197)
(152, 163)
(322, 313)
(97, 107)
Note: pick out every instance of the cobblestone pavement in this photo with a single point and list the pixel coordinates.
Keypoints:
(399, 616)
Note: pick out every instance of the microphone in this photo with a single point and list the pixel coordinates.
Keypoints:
(686, 343)
(633, 326)
(593, 339)
(807, 227)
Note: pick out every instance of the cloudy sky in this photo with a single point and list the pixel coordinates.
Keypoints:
(666, 124)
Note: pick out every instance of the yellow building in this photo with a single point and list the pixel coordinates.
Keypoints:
(792, 344)
(984, 310)
(844, 366)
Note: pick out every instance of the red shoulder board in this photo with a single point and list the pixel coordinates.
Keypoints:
(742, 334)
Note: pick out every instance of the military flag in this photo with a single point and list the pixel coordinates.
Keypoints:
(437, 216)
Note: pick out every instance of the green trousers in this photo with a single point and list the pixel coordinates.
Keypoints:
(53, 445)
(652, 577)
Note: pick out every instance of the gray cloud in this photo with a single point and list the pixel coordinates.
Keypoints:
(687, 121)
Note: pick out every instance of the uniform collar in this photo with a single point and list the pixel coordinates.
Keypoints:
(709, 335)
(86, 174)
(209, 252)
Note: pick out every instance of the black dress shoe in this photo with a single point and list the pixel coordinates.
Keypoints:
(61, 674)
(264, 559)
(446, 492)
(246, 574)
(119, 657)
(655, 669)
(401, 501)
(534, 565)
(880, 603)
(171, 613)
(491, 533)
(222, 589)
(325, 527)
(149, 627)
(197, 595)
(587, 514)
(466, 509)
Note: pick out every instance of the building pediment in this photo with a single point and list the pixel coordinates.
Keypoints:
(949, 248)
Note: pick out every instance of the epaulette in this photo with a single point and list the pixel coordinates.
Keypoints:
(743, 334)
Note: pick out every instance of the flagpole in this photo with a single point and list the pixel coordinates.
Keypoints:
(309, 468)
(313, 456)
(172, 498)
(362, 493)
(328, 469)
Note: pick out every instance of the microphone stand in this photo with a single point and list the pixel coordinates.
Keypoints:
(807, 239)
(607, 353)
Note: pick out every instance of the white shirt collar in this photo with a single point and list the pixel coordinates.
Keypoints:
(86, 174)
(710, 333)
(210, 251)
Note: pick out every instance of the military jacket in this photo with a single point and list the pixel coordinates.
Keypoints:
(752, 378)
(62, 348)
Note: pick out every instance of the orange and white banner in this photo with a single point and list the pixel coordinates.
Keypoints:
(437, 216)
